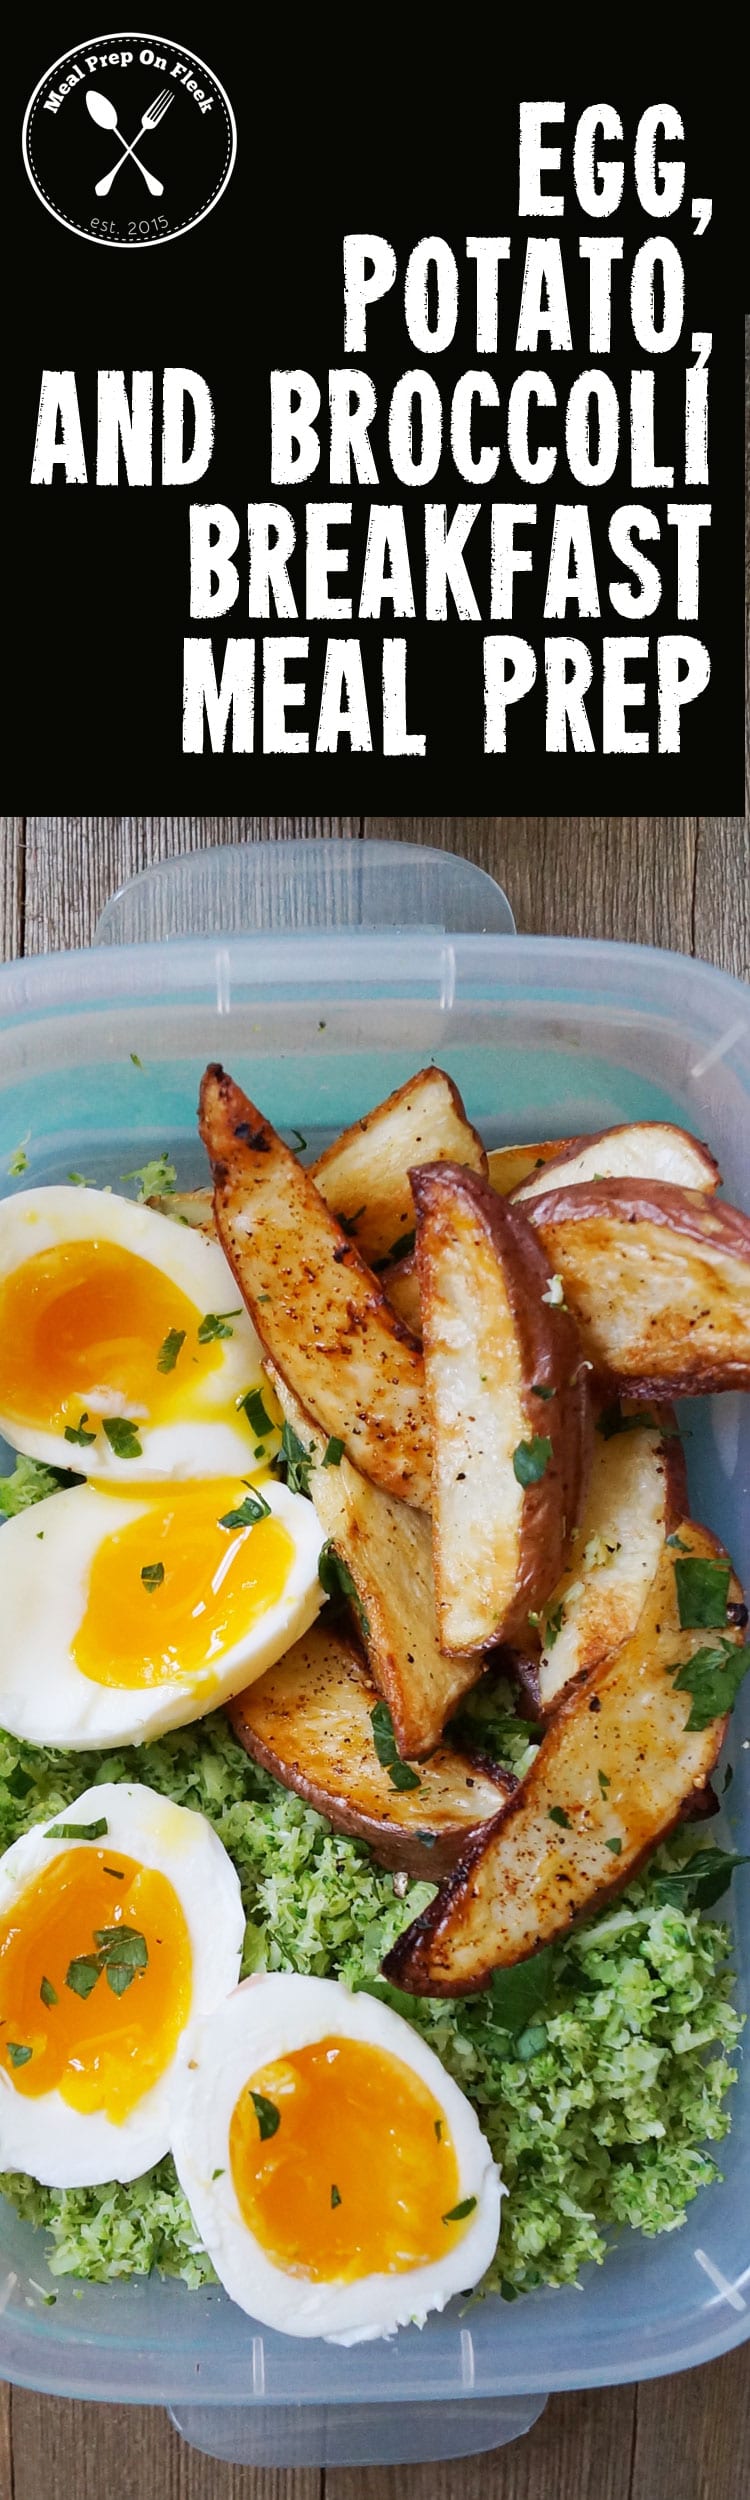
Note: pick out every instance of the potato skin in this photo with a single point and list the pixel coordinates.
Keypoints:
(646, 1338)
(655, 1134)
(552, 1402)
(323, 1682)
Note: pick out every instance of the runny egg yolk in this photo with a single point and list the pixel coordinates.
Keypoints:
(84, 1325)
(85, 2010)
(343, 2164)
(173, 1591)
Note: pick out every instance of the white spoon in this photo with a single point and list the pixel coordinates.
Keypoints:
(104, 114)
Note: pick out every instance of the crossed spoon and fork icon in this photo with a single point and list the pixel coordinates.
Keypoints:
(105, 115)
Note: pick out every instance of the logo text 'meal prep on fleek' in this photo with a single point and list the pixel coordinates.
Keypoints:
(129, 140)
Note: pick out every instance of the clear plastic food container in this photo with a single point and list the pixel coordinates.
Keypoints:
(332, 971)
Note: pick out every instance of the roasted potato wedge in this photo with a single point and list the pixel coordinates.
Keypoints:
(387, 1550)
(508, 1402)
(364, 1175)
(309, 1722)
(608, 1782)
(637, 1495)
(658, 1281)
(651, 1150)
(320, 1313)
(187, 1206)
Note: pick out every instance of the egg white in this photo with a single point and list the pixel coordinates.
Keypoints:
(64, 2147)
(197, 1444)
(45, 1563)
(268, 2018)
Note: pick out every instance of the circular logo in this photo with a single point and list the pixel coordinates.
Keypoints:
(129, 140)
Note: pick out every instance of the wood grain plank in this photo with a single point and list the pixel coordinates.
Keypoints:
(614, 877)
(721, 912)
(580, 2449)
(11, 886)
(693, 2434)
(74, 863)
(128, 2452)
(6, 2449)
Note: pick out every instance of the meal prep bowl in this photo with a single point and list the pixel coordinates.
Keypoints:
(327, 973)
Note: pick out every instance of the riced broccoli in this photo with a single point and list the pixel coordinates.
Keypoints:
(599, 2098)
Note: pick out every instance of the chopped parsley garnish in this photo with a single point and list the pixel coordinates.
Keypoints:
(78, 1181)
(400, 1774)
(334, 1452)
(615, 1844)
(219, 2172)
(168, 1352)
(267, 2114)
(702, 1592)
(557, 1814)
(531, 1459)
(247, 1513)
(216, 1325)
(604, 1782)
(301, 1141)
(335, 2198)
(252, 1406)
(612, 1420)
(713, 1677)
(18, 2056)
(121, 1952)
(460, 2213)
(137, 1063)
(679, 1541)
(297, 1461)
(348, 1223)
(48, 1994)
(531, 2042)
(78, 1831)
(152, 1576)
(82, 1974)
(553, 1625)
(77, 1432)
(401, 1249)
(122, 1436)
(335, 1577)
(439, 2129)
(19, 1163)
(156, 1179)
(538, 1390)
(701, 1881)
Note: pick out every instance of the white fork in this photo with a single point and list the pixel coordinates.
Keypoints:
(151, 119)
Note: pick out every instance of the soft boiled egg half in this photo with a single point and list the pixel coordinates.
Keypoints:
(121, 1924)
(129, 1613)
(337, 2176)
(122, 1348)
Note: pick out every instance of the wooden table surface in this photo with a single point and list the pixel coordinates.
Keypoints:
(678, 883)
